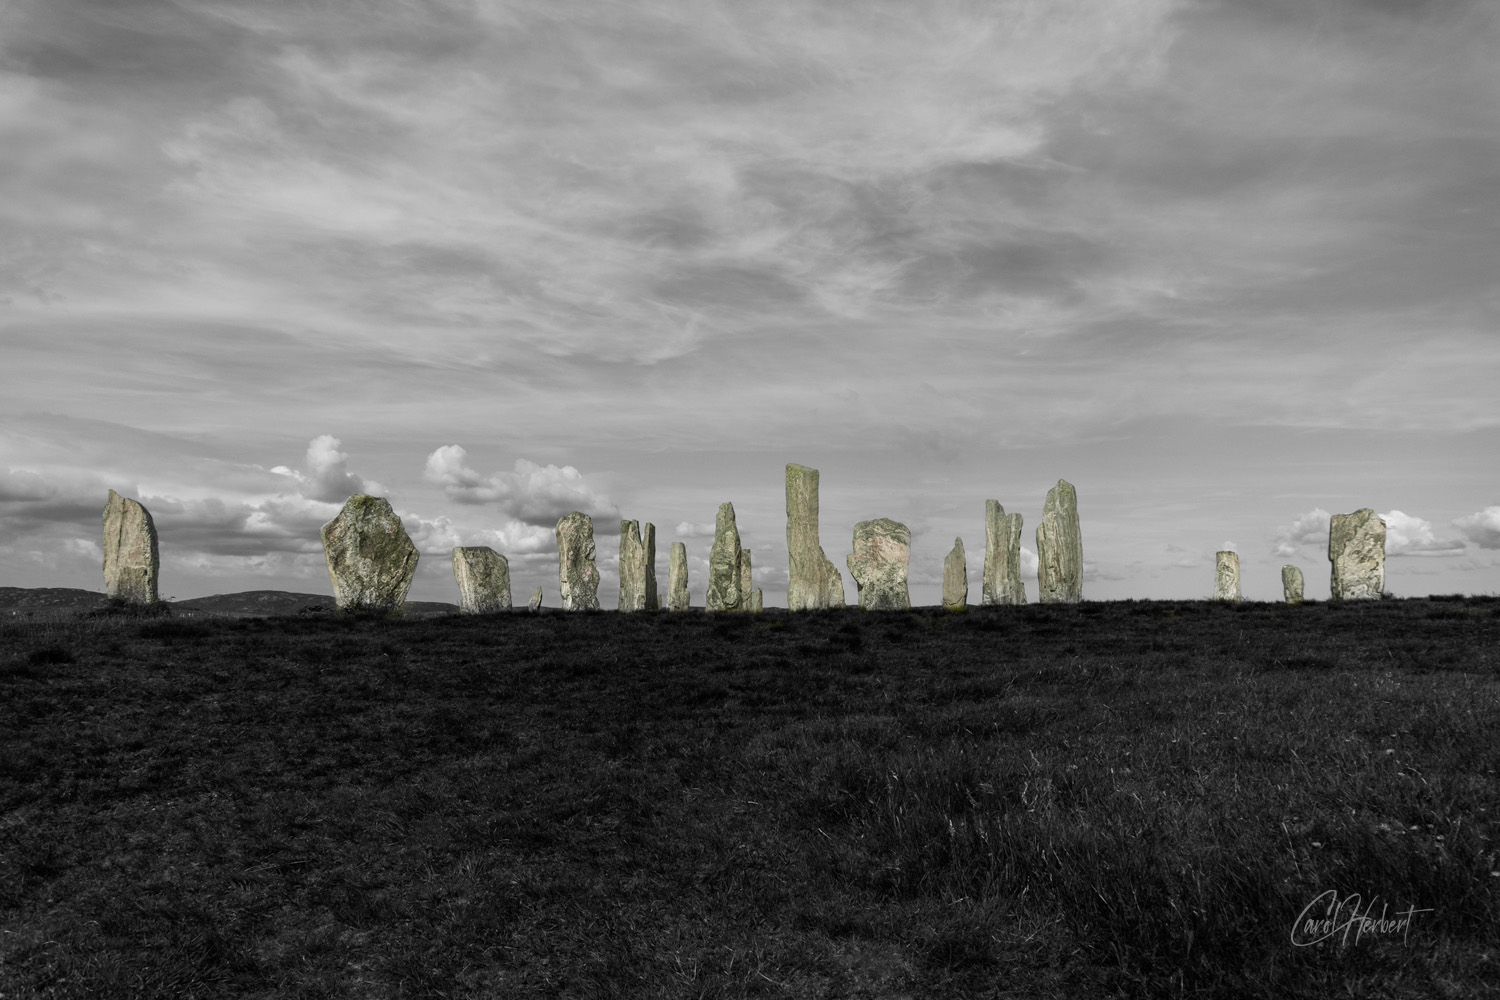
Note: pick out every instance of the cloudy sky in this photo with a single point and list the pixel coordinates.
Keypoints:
(1225, 265)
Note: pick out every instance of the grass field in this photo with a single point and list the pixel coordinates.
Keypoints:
(1107, 799)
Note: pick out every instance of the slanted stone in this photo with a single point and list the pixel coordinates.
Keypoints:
(882, 551)
(746, 580)
(812, 578)
(483, 577)
(648, 545)
(370, 558)
(677, 579)
(1356, 547)
(956, 578)
(1059, 547)
(1291, 584)
(1227, 576)
(724, 564)
(635, 565)
(536, 601)
(757, 603)
(577, 577)
(131, 562)
(1002, 583)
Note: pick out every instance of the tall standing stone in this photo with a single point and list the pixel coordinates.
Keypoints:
(1227, 576)
(131, 562)
(1356, 547)
(677, 579)
(956, 578)
(812, 577)
(370, 558)
(757, 603)
(882, 552)
(1059, 547)
(635, 567)
(483, 577)
(648, 545)
(577, 577)
(1002, 583)
(747, 582)
(724, 564)
(1291, 584)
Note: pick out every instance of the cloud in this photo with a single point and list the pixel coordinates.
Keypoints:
(1228, 547)
(533, 494)
(688, 529)
(326, 474)
(1406, 535)
(1308, 529)
(1482, 527)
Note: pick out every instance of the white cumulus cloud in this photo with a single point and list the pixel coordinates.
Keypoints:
(1482, 527)
(1406, 535)
(1308, 529)
(532, 493)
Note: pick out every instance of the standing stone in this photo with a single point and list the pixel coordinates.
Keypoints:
(757, 604)
(483, 577)
(1059, 547)
(882, 550)
(956, 578)
(724, 563)
(131, 563)
(648, 545)
(812, 578)
(370, 558)
(1356, 547)
(577, 577)
(1227, 576)
(1291, 584)
(1002, 582)
(536, 601)
(677, 579)
(633, 566)
(747, 584)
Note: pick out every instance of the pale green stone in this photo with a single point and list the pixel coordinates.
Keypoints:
(811, 575)
(1291, 584)
(677, 579)
(633, 566)
(724, 564)
(483, 577)
(882, 552)
(1227, 576)
(956, 578)
(577, 577)
(1002, 583)
(536, 601)
(131, 562)
(1356, 548)
(371, 560)
(1059, 547)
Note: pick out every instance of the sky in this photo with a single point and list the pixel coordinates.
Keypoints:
(1226, 266)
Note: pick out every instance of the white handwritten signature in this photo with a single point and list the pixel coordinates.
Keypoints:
(1344, 916)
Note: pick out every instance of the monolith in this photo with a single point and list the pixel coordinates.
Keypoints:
(1002, 583)
(483, 577)
(1356, 547)
(956, 578)
(131, 563)
(1291, 584)
(1227, 576)
(746, 580)
(724, 564)
(536, 601)
(757, 604)
(1059, 547)
(882, 551)
(810, 583)
(370, 558)
(677, 579)
(577, 577)
(648, 544)
(635, 563)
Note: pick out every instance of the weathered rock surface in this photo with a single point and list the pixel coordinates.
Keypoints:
(483, 577)
(536, 601)
(131, 561)
(370, 558)
(812, 577)
(1002, 583)
(1227, 576)
(724, 563)
(882, 552)
(757, 604)
(637, 567)
(677, 579)
(577, 576)
(1059, 547)
(956, 578)
(747, 583)
(1291, 584)
(1356, 547)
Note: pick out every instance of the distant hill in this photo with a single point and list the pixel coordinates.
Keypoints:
(251, 603)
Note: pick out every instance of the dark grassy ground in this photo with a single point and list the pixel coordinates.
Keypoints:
(1122, 798)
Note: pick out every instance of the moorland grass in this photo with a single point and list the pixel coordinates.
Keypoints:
(1129, 798)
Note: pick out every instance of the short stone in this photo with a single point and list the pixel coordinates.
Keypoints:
(1356, 548)
(882, 552)
(746, 580)
(536, 601)
(833, 582)
(757, 603)
(371, 560)
(956, 578)
(131, 562)
(1291, 584)
(677, 579)
(1227, 576)
(483, 577)
(577, 577)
